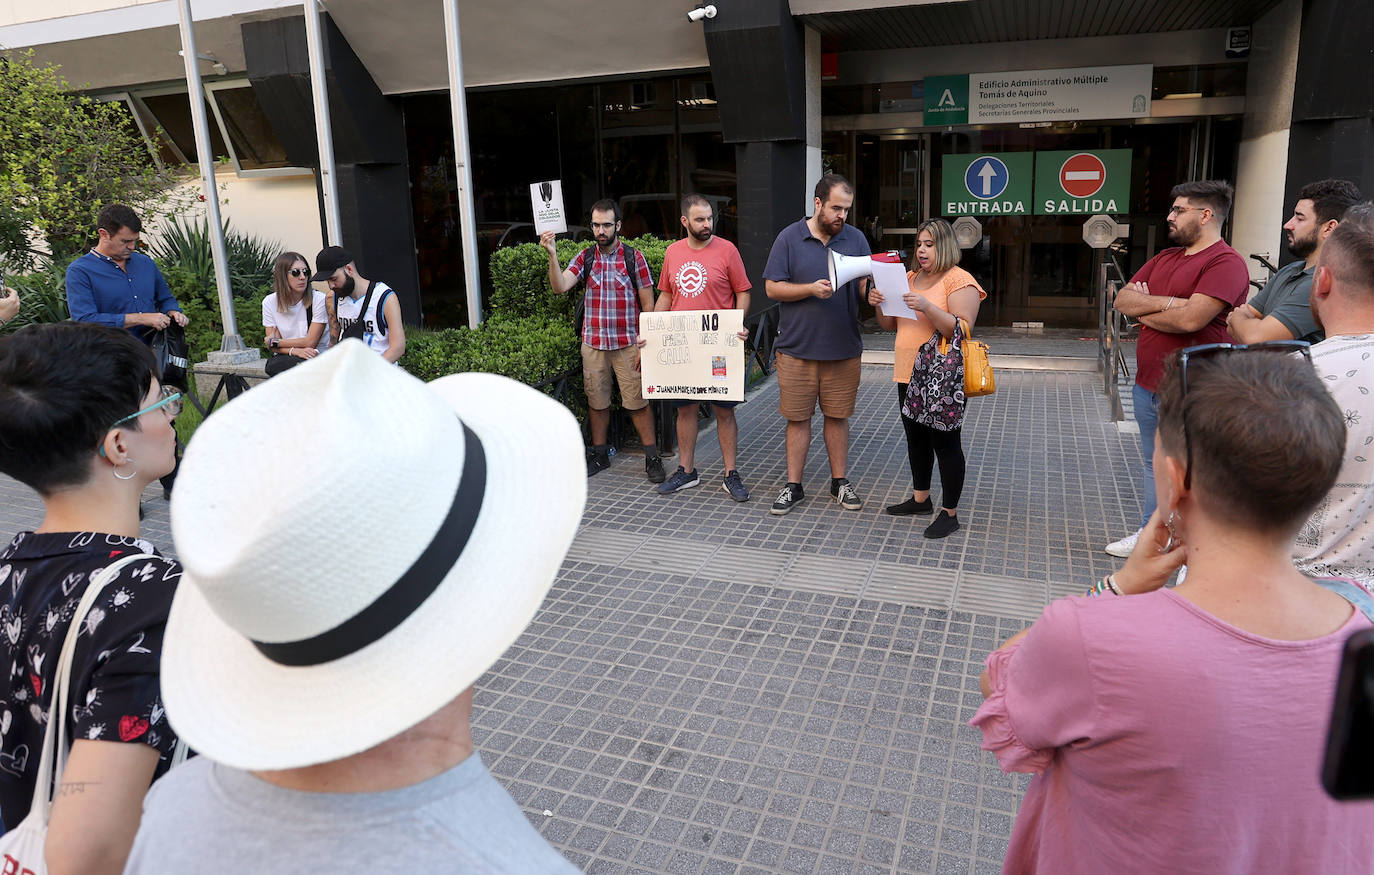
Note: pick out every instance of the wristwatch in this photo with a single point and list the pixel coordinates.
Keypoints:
(276, 342)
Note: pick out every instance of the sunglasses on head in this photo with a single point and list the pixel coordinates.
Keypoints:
(299, 271)
(1212, 350)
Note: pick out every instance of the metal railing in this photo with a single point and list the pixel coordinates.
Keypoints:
(1111, 325)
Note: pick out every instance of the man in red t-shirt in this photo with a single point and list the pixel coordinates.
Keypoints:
(704, 272)
(1181, 297)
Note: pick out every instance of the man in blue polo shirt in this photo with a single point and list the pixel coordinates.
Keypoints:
(818, 348)
(116, 285)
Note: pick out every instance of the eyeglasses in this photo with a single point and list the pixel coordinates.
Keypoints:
(1209, 350)
(171, 401)
(1176, 210)
(299, 271)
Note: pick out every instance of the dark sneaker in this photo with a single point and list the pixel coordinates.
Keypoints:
(597, 461)
(735, 486)
(844, 493)
(944, 526)
(653, 469)
(911, 507)
(680, 480)
(787, 499)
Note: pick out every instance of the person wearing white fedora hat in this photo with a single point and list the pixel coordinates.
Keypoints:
(322, 662)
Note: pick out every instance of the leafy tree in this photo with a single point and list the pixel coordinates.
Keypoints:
(63, 156)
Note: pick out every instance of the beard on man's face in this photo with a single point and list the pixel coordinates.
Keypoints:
(1185, 236)
(1302, 246)
(347, 286)
(701, 234)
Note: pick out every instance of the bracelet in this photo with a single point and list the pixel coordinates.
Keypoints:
(1106, 584)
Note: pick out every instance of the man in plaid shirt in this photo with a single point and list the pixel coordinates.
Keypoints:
(610, 332)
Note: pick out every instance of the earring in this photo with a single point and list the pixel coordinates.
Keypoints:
(1170, 524)
(132, 474)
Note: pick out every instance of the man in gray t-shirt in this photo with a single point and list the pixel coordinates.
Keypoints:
(1282, 309)
(323, 649)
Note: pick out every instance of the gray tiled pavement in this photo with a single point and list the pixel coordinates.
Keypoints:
(711, 689)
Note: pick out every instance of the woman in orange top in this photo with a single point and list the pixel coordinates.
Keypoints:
(938, 291)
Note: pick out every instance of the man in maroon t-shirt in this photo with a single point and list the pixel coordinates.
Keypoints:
(1181, 297)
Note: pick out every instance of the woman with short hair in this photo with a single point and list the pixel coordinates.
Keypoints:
(1182, 730)
(293, 316)
(939, 291)
(86, 424)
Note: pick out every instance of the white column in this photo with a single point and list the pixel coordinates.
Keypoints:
(231, 347)
(324, 134)
(814, 166)
(467, 212)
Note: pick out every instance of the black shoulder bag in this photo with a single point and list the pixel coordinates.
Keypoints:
(359, 326)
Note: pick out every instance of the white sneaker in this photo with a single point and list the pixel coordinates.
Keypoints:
(1121, 549)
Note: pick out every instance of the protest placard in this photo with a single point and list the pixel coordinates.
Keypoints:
(546, 198)
(693, 354)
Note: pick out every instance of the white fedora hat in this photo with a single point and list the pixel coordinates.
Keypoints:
(359, 547)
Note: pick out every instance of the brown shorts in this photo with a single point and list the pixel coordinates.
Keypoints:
(597, 365)
(802, 381)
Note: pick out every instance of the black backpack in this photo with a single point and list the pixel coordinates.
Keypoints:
(631, 258)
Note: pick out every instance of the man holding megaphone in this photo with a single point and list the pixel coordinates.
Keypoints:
(818, 348)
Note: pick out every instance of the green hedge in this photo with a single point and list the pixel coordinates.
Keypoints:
(530, 350)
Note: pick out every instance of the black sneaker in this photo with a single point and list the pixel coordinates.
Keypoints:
(598, 460)
(735, 486)
(944, 526)
(680, 480)
(911, 507)
(787, 499)
(653, 469)
(843, 491)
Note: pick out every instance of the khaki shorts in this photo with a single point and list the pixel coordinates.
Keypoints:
(802, 381)
(597, 365)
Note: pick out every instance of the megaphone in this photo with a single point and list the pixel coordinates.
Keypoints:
(844, 268)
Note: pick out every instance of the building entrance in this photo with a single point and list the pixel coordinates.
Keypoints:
(1036, 268)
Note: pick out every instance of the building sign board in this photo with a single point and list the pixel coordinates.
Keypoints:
(1073, 94)
(992, 184)
(1082, 182)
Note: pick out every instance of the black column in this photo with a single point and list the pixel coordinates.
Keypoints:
(369, 145)
(758, 68)
(1333, 98)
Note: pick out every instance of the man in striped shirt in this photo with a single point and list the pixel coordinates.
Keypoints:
(616, 293)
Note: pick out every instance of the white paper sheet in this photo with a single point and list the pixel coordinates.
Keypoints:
(890, 279)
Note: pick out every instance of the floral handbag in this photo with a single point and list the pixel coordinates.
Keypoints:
(935, 393)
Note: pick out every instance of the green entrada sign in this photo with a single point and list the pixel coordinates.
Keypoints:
(991, 184)
(1083, 182)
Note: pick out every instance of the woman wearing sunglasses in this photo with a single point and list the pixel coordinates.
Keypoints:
(1181, 730)
(293, 316)
(85, 423)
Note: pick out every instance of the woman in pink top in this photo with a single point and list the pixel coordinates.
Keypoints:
(1181, 730)
(938, 291)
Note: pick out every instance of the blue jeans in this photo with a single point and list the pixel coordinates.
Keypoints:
(1147, 415)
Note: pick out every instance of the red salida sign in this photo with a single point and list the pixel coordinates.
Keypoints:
(1083, 175)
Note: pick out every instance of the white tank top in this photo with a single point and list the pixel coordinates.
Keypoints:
(375, 331)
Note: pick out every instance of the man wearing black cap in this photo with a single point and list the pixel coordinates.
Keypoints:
(364, 309)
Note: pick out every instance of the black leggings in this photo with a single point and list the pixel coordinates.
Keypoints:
(923, 445)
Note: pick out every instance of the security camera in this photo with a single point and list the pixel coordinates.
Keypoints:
(702, 12)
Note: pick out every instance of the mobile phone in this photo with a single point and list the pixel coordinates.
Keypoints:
(1348, 771)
